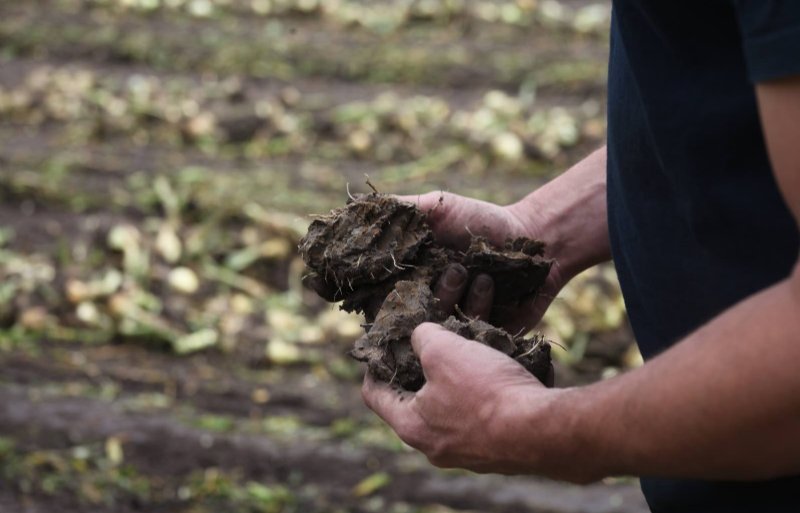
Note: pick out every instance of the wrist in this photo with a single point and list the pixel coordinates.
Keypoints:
(542, 220)
(535, 218)
(582, 436)
(558, 433)
(534, 433)
(569, 214)
(603, 437)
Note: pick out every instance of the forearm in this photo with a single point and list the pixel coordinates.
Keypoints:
(722, 404)
(570, 214)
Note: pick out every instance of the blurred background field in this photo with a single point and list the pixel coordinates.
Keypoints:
(159, 160)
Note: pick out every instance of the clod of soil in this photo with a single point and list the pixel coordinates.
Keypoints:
(379, 257)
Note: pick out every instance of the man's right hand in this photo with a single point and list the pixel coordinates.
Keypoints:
(568, 213)
(454, 220)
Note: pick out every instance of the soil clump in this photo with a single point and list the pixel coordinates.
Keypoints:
(379, 257)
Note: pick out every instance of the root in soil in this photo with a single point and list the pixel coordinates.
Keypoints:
(379, 257)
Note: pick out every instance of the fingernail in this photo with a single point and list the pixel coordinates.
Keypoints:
(483, 284)
(454, 277)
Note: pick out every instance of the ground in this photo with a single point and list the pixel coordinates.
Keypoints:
(160, 161)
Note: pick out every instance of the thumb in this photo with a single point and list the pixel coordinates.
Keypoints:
(445, 216)
(425, 202)
(434, 346)
(437, 205)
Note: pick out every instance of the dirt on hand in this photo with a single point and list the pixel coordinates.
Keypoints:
(380, 258)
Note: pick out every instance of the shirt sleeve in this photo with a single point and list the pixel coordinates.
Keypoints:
(770, 37)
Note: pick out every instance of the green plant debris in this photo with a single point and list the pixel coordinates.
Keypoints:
(426, 132)
(215, 423)
(160, 162)
(384, 17)
(91, 475)
(371, 484)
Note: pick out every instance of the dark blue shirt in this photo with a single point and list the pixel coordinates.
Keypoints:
(697, 221)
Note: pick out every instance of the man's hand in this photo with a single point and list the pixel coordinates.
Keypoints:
(468, 413)
(454, 220)
(479, 409)
(568, 213)
(721, 404)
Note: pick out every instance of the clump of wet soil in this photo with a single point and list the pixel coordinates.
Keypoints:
(379, 257)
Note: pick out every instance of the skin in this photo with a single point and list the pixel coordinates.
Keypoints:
(481, 411)
(575, 226)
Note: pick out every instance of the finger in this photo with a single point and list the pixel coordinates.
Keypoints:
(389, 403)
(434, 345)
(451, 287)
(479, 299)
(426, 202)
(437, 205)
(529, 312)
(422, 337)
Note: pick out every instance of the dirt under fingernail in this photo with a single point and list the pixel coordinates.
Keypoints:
(377, 255)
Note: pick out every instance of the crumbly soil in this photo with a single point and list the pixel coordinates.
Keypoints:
(380, 258)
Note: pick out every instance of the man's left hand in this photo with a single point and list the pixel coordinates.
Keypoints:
(479, 409)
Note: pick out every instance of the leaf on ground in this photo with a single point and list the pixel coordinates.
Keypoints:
(371, 484)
